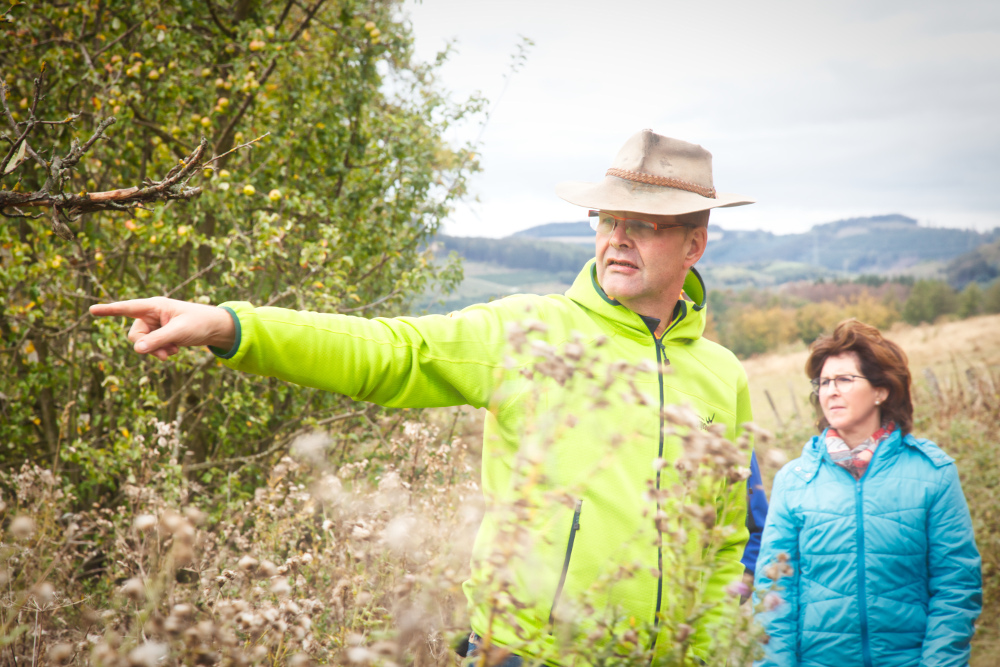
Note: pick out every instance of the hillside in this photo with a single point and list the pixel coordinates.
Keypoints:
(547, 257)
(982, 265)
(878, 244)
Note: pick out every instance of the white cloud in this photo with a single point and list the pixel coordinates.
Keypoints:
(819, 110)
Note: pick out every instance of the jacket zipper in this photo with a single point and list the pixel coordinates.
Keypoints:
(862, 605)
(569, 552)
(661, 355)
(859, 502)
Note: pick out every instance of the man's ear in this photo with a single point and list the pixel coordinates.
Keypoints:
(697, 240)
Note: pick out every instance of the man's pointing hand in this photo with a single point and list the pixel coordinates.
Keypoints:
(162, 326)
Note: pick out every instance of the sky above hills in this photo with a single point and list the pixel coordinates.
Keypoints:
(819, 110)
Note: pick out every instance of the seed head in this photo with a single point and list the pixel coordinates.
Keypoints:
(147, 655)
(22, 527)
(134, 589)
(248, 563)
(43, 593)
(144, 522)
(280, 586)
(60, 654)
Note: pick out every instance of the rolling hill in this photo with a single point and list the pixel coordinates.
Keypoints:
(547, 257)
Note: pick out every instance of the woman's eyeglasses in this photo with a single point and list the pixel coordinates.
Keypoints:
(842, 383)
(604, 224)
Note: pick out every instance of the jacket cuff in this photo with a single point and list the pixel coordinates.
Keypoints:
(223, 354)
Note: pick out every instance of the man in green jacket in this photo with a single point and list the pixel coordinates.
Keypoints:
(578, 444)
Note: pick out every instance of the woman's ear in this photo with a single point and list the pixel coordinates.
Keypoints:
(881, 394)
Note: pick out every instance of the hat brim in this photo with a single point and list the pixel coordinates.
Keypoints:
(618, 194)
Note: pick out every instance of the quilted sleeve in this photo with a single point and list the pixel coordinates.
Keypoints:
(955, 584)
(776, 595)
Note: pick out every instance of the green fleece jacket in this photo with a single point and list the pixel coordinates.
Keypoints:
(568, 533)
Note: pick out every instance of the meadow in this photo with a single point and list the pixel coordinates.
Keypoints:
(362, 562)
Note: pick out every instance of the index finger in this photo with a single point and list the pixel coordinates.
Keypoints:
(131, 308)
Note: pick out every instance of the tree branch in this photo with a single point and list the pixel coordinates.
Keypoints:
(225, 31)
(372, 304)
(284, 442)
(173, 186)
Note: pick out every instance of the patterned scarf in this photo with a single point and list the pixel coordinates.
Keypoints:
(855, 461)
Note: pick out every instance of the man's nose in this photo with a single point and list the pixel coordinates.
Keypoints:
(619, 237)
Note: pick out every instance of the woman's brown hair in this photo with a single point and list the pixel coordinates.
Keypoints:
(881, 361)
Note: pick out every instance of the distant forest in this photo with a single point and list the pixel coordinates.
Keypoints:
(520, 253)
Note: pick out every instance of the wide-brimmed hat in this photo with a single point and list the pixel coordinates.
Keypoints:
(656, 175)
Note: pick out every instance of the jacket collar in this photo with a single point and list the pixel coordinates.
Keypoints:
(814, 452)
(689, 316)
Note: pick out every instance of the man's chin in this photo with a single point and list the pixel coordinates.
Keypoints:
(618, 287)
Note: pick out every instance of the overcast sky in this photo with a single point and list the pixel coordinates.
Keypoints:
(819, 110)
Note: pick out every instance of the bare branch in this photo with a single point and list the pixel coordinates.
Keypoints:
(13, 123)
(200, 273)
(305, 23)
(225, 31)
(284, 442)
(236, 148)
(171, 187)
(123, 35)
(247, 101)
(19, 214)
(372, 304)
(173, 141)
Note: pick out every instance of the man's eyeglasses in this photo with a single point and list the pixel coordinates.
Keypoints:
(842, 383)
(604, 224)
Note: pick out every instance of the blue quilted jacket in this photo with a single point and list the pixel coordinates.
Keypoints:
(885, 570)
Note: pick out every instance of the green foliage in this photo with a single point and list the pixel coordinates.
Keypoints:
(991, 298)
(929, 300)
(332, 211)
(753, 322)
(970, 301)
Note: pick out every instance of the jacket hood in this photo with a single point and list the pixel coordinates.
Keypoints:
(689, 316)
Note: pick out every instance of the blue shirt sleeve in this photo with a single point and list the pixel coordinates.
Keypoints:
(756, 514)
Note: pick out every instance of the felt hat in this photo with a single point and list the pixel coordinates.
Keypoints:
(656, 175)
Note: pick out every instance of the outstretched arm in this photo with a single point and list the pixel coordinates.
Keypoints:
(162, 326)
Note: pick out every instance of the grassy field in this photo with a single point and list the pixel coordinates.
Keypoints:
(946, 350)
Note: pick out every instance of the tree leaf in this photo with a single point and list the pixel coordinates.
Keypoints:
(18, 157)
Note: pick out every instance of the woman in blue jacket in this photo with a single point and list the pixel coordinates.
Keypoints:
(868, 556)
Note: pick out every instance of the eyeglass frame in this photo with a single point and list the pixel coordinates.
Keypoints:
(595, 222)
(817, 383)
